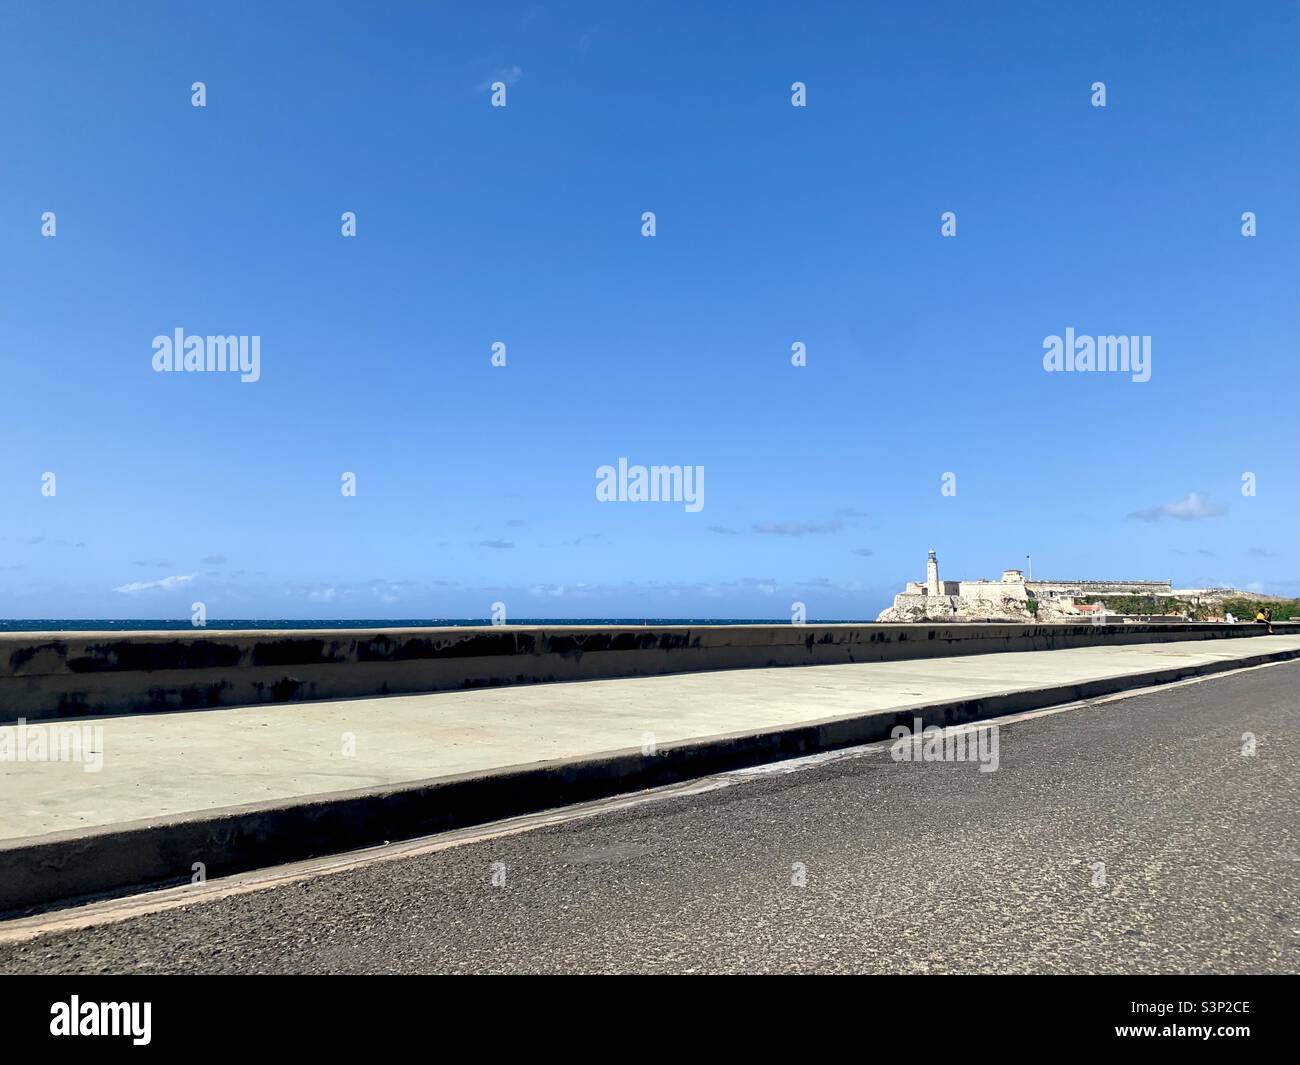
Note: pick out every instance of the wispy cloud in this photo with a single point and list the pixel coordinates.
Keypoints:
(32, 541)
(510, 75)
(799, 528)
(1193, 507)
(164, 585)
(499, 545)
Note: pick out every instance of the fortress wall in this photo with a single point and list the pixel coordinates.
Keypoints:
(1103, 587)
(993, 590)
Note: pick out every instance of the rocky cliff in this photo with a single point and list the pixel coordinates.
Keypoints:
(916, 608)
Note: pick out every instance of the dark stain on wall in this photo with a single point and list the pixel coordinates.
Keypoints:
(478, 645)
(23, 655)
(296, 653)
(128, 656)
(285, 689)
(189, 697)
(72, 704)
(579, 643)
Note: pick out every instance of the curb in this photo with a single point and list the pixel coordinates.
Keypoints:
(64, 868)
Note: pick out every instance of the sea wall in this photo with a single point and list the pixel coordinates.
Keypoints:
(53, 675)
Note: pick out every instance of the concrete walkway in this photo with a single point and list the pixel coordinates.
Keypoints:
(162, 765)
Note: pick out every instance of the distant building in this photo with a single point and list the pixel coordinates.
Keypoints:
(1009, 598)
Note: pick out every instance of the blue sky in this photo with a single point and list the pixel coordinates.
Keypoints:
(522, 224)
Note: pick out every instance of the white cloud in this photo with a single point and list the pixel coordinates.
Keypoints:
(1193, 507)
(164, 585)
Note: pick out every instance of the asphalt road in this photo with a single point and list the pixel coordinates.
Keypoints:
(919, 867)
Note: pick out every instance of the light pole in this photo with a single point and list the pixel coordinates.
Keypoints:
(1029, 566)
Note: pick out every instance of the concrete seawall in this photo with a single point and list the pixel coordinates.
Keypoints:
(50, 675)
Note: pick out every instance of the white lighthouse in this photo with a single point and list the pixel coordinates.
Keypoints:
(932, 585)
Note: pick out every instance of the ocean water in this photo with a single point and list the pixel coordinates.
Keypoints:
(144, 624)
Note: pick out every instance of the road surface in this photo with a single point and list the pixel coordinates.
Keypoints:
(1130, 835)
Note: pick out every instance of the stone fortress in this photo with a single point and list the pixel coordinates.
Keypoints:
(1013, 598)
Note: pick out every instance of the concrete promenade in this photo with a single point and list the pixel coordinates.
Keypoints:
(157, 766)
